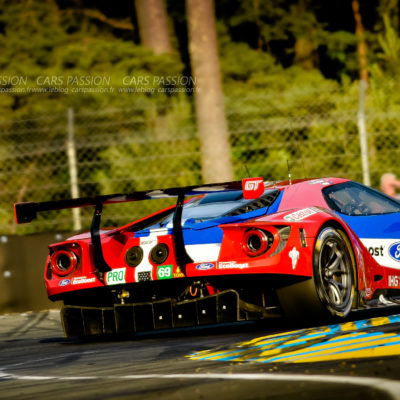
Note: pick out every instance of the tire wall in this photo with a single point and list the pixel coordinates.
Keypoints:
(22, 263)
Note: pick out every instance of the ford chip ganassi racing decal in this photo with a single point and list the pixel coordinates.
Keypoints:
(205, 266)
(385, 251)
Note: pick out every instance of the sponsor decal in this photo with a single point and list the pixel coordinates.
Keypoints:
(82, 279)
(148, 242)
(64, 282)
(384, 251)
(232, 264)
(376, 251)
(294, 255)
(394, 251)
(394, 281)
(320, 181)
(205, 266)
(300, 215)
(252, 187)
(115, 276)
(164, 272)
(178, 273)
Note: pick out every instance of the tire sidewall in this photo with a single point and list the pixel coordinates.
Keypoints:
(327, 234)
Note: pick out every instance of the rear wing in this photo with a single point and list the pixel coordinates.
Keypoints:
(27, 212)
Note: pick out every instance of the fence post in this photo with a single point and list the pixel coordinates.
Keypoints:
(362, 131)
(73, 168)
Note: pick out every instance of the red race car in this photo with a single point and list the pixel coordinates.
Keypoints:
(232, 251)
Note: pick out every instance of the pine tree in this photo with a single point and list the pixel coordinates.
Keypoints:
(209, 99)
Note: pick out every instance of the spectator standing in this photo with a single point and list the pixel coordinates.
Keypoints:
(389, 184)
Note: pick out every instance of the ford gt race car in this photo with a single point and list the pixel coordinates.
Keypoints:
(308, 249)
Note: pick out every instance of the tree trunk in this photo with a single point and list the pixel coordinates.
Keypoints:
(304, 53)
(361, 121)
(153, 25)
(361, 47)
(304, 46)
(209, 99)
(154, 34)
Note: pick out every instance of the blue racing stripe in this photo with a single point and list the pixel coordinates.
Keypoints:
(386, 226)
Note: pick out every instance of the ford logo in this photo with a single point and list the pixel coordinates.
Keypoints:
(394, 251)
(64, 282)
(204, 266)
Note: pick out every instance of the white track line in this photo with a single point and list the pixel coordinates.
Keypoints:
(386, 385)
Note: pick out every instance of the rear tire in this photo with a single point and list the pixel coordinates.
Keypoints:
(331, 290)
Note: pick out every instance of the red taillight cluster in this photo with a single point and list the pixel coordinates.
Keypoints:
(64, 262)
(256, 242)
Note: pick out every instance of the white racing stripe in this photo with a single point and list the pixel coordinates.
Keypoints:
(203, 252)
(380, 250)
(390, 387)
(147, 243)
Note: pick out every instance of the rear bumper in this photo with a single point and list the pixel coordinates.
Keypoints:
(127, 319)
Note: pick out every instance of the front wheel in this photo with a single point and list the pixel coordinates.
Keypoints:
(331, 291)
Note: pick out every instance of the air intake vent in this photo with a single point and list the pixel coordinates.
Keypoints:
(261, 202)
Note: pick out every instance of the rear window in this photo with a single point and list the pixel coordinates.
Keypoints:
(218, 205)
(351, 198)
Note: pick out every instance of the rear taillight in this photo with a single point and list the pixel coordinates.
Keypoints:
(256, 242)
(64, 262)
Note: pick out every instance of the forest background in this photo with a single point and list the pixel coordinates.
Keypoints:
(102, 97)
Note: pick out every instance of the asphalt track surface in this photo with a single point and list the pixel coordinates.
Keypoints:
(357, 359)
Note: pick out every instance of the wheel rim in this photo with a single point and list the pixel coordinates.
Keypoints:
(335, 273)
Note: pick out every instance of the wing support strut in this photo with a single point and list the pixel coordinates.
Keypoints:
(98, 257)
(181, 256)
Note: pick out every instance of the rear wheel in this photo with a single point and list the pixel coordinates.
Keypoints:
(331, 291)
